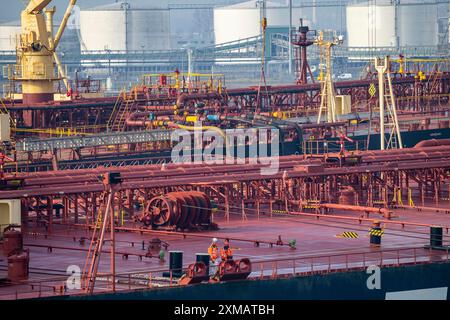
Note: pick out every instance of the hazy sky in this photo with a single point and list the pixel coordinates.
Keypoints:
(12, 11)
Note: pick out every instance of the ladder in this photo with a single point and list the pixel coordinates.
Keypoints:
(395, 138)
(95, 248)
(118, 106)
(125, 105)
(121, 115)
(434, 81)
(390, 125)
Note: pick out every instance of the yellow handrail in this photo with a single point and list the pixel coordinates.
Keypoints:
(119, 97)
(57, 131)
(6, 111)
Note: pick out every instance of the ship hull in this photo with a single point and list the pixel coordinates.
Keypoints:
(423, 281)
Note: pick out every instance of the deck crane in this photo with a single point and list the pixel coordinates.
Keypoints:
(36, 51)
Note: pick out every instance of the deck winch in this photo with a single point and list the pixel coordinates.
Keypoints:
(179, 210)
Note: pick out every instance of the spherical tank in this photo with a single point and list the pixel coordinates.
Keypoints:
(242, 20)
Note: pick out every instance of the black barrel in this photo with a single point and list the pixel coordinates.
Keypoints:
(436, 236)
(374, 238)
(203, 257)
(176, 263)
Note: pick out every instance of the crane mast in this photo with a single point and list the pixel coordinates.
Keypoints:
(36, 52)
(327, 94)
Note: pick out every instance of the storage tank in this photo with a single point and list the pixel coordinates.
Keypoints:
(192, 21)
(448, 32)
(418, 25)
(323, 14)
(187, 30)
(242, 20)
(9, 33)
(383, 24)
(123, 26)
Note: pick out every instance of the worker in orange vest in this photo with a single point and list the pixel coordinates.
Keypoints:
(213, 250)
(226, 253)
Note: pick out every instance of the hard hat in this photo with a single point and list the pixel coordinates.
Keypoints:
(215, 240)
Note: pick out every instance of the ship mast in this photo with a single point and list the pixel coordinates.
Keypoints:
(388, 109)
(327, 94)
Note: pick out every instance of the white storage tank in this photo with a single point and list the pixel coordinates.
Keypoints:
(192, 22)
(324, 15)
(411, 23)
(122, 26)
(148, 29)
(103, 29)
(448, 32)
(418, 25)
(243, 20)
(9, 33)
(192, 27)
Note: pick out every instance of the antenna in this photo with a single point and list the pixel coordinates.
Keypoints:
(263, 16)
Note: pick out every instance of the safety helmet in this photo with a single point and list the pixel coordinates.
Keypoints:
(215, 240)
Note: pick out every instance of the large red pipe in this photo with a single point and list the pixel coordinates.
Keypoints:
(433, 143)
(347, 207)
(72, 183)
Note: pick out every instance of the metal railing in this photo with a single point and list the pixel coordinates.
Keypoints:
(315, 147)
(344, 262)
(264, 269)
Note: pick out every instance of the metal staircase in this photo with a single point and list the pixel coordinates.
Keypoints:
(125, 105)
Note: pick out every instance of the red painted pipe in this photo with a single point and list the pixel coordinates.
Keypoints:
(354, 208)
(186, 178)
(433, 143)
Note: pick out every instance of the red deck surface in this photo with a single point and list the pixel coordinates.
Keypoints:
(315, 238)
